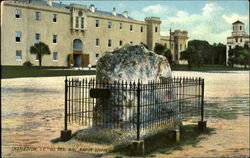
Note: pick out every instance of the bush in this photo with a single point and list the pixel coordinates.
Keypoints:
(27, 63)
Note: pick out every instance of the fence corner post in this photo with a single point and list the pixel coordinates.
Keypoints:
(202, 124)
(65, 134)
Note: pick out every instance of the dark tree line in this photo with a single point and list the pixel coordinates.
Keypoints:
(201, 52)
(239, 55)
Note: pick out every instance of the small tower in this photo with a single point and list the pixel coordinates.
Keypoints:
(238, 28)
(153, 31)
(180, 44)
(238, 37)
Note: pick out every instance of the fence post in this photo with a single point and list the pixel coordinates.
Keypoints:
(202, 124)
(138, 110)
(137, 146)
(202, 99)
(65, 103)
(65, 134)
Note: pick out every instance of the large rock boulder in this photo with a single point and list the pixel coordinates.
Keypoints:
(131, 63)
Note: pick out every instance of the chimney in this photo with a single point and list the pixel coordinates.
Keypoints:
(114, 12)
(92, 8)
(49, 2)
(125, 14)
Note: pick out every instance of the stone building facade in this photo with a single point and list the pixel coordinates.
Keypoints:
(177, 42)
(239, 37)
(77, 35)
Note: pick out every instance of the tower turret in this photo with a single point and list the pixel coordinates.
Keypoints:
(153, 31)
(238, 28)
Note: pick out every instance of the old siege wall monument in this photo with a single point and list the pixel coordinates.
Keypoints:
(129, 64)
(132, 96)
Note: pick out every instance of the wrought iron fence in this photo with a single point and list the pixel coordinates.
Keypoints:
(132, 105)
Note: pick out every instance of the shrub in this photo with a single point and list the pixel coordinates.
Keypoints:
(27, 63)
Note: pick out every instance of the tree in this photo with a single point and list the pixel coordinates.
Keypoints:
(195, 54)
(218, 54)
(40, 49)
(244, 56)
(162, 50)
(159, 49)
(169, 56)
(234, 55)
(192, 56)
(204, 50)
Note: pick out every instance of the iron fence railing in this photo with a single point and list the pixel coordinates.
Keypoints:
(132, 105)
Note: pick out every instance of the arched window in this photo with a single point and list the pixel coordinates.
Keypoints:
(77, 44)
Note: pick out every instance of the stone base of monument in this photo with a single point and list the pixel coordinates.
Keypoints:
(202, 125)
(137, 148)
(65, 135)
(174, 134)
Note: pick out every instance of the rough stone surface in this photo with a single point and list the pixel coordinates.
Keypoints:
(131, 63)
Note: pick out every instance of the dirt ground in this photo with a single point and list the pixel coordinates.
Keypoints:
(32, 115)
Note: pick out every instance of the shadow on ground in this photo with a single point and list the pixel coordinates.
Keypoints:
(161, 143)
(229, 108)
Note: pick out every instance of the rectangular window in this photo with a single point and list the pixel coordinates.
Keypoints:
(240, 39)
(97, 23)
(54, 17)
(165, 45)
(141, 29)
(180, 46)
(82, 22)
(77, 22)
(37, 38)
(54, 38)
(236, 39)
(156, 29)
(55, 56)
(240, 27)
(120, 42)
(131, 27)
(120, 26)
(38, 16)
(97, 42)
(97, 57)
(18, 55)
(109, 25)
(18, 13)
(18, 36)
(109, 43)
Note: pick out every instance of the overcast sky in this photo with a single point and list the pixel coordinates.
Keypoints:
(205, 20)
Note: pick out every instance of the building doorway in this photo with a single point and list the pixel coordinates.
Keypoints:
(77, 53)
(77, 60)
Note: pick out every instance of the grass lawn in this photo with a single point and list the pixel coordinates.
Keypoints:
(35, 71)
(20, 71)
(207, 68)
